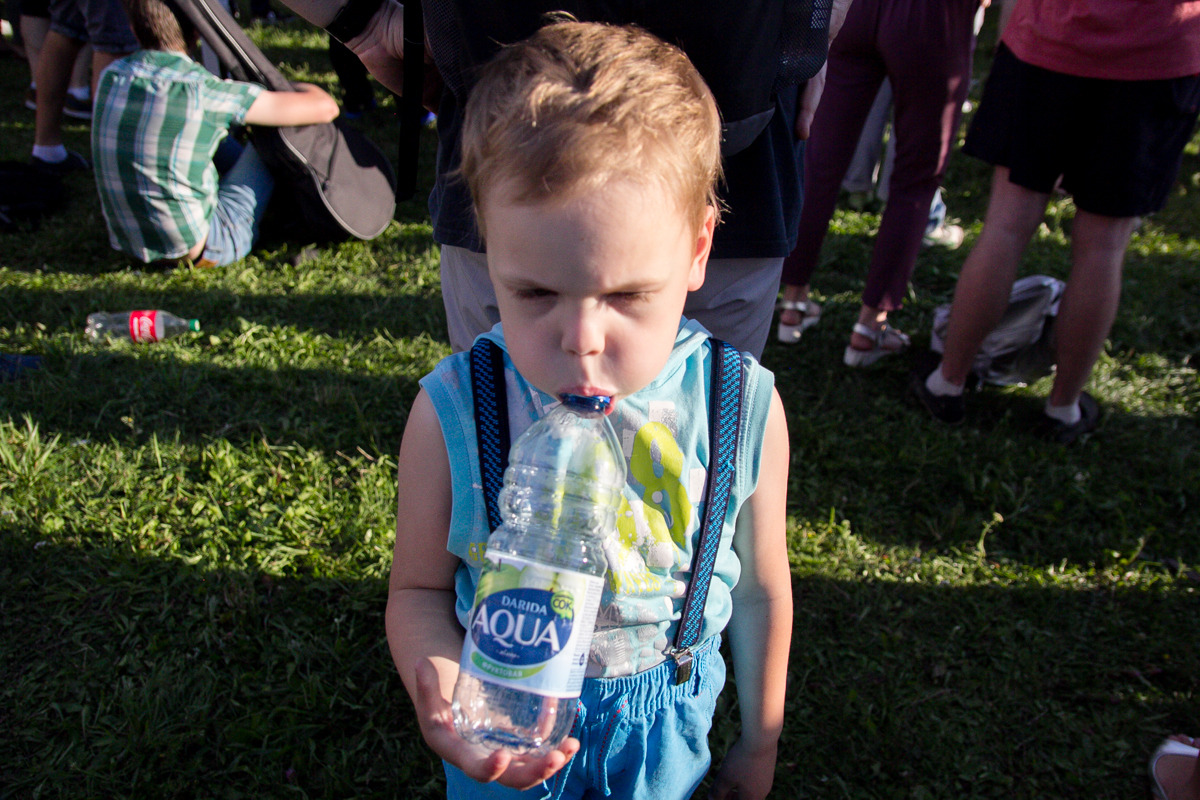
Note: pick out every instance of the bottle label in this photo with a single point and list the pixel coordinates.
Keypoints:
(531, 626)
(141, 326)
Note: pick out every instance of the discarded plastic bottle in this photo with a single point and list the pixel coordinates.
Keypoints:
(530, 628)
(139, 326)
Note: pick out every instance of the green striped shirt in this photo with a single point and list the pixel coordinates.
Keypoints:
(158, 119)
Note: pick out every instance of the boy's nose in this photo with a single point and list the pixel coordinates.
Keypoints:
(583, 335)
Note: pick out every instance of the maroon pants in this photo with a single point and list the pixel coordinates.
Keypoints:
(924, 47)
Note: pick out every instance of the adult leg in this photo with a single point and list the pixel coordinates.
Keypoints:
(33, 31)
(865, 167)
(1089, 303)
(109, 32)
(101, 60)
(80, 72)
(985, 282)
(55, 64)
(854, 77)
(926, 47)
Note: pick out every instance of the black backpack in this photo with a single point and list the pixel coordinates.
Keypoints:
(744, 50)
(340, 182)
(27, 194)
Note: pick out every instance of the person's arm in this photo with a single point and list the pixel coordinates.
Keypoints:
(379, 43)
(423, 632)
(810, 96)
(308, 105)
(760, 631)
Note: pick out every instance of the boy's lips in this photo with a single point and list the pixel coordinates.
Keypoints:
(592, 391)
(586, 391)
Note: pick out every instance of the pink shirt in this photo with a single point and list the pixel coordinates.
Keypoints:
(1114, 39)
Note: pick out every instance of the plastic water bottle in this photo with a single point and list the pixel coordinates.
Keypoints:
(139, 326)
(530, 629)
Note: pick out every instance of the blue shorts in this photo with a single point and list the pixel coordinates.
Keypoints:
(101, 23)
(640, 736)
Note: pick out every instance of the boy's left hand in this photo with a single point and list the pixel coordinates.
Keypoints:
(746, 774)
(479, 763)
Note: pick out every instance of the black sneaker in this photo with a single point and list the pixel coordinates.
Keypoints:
(946, 408)
(75, 108)
(72, 163)
(1089, 418)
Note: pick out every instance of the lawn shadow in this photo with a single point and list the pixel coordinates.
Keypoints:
(903, 689)
(127, 674)
(163, 671)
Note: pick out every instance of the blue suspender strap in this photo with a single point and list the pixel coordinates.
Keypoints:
(491, 422)
(725, 412)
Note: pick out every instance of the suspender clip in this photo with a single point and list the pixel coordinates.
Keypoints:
(683, 665)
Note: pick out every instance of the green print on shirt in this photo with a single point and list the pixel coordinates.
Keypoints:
(656, 463)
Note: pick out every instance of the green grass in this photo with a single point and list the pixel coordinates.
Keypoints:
(195, 535)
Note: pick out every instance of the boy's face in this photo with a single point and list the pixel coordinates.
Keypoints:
(591, 289)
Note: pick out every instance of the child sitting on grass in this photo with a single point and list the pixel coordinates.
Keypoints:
(158, 122)
(592, 153)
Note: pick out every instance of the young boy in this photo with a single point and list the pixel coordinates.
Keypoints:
(592, 153)
(158, 122)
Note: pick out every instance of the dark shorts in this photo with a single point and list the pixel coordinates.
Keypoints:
(1117, 145)
(101, 23)
(34, 8)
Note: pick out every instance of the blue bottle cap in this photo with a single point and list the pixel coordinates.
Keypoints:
(596, 405)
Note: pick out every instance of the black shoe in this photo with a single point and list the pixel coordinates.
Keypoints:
(1089, 418)
(75, 108)
(71, 163)
(946, 408)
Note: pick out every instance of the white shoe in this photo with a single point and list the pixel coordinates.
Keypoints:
(810, 314)
(947, 236)
(1170, 747)
(853, 357)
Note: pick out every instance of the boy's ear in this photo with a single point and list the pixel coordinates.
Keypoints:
(704, 240)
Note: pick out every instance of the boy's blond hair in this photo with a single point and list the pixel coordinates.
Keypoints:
(580, 104)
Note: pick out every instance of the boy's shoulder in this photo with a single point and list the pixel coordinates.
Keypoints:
(169, 66)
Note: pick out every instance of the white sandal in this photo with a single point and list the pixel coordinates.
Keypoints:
(854, 357)
(810, 314)
(1170, 747)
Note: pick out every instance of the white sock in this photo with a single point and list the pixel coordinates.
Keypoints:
(80, 92)
(52, 153)
(1067, 415)
(937, 384)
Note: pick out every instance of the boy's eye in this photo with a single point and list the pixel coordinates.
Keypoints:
(532, 293)
(628, 298)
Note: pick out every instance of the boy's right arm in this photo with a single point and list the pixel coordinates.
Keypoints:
(423, 632)
(308, 105)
